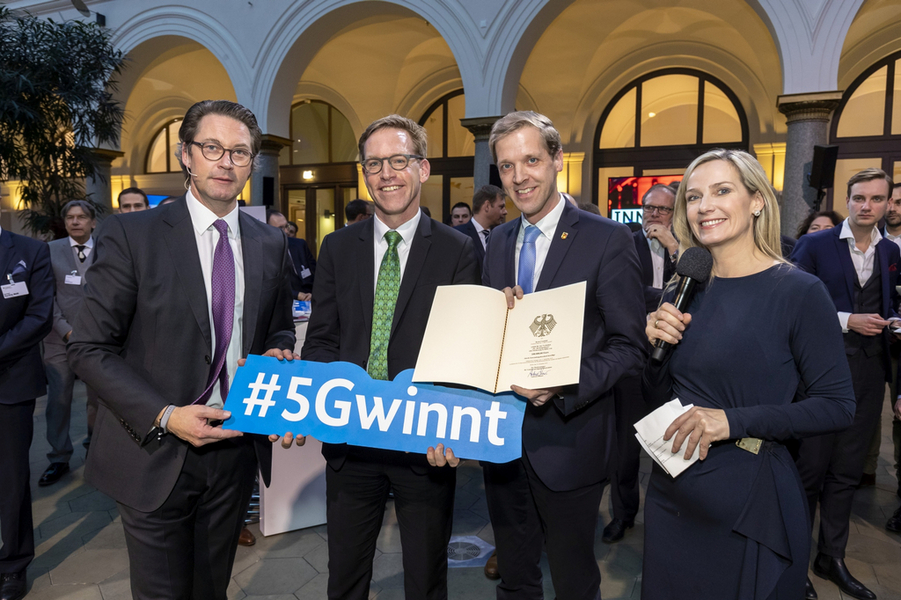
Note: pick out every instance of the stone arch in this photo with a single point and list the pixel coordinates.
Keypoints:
(874, 34)
(806, 36)
(304, 30)
(155, 31)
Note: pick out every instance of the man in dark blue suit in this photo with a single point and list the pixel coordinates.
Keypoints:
(301, 258)
(860, 270)
(26, 317)
(489, 209)
(657, 247)
(550, 496)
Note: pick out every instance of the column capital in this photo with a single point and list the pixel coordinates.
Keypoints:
(107, 155)
(273, 143)
(480, 127)
(815, 106)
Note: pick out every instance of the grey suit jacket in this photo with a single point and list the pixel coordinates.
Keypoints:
(143, 340)
(69, 297)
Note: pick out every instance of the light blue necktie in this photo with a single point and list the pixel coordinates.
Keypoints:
(527, 259)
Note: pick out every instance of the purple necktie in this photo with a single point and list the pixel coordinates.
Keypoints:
(223, 286)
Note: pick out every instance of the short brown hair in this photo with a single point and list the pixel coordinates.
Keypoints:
(188, 130)
(417, 133)
(869, 175)
(134, 190)
(486, 193)
(517, 120)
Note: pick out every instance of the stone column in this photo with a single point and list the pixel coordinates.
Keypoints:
(98, 187)
(266, 171)
(480, 127)
(807, 116)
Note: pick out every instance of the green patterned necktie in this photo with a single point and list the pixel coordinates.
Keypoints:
(383, 309)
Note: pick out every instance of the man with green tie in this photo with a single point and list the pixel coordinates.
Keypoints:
(374, 287)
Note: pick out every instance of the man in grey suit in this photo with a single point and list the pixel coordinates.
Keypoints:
(177, 298)
(70, 258)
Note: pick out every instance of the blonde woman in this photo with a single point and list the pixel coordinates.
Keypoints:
(760, 333)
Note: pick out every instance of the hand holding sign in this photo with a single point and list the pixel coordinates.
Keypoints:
(339, 403)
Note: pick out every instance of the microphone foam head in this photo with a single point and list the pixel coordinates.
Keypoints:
(696, 264)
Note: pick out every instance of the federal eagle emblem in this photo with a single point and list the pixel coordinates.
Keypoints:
(543, 325)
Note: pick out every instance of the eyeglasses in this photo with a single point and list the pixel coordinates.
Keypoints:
(651, 209)
(211, 151)
(398, 162)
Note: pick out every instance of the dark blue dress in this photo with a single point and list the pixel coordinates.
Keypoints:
(767, 349)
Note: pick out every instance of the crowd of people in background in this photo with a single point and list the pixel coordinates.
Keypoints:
(784, 354)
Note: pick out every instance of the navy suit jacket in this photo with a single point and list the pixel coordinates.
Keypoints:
(569, 440)
(344, 294)
(24, 320)
(302, 259)
(826, 255)
(143, 340)
(478, 250)
(652, 295)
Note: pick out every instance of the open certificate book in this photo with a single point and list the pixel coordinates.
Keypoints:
(650, 435)
(473, 339)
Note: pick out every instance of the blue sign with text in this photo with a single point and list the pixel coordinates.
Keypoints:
(340, 403)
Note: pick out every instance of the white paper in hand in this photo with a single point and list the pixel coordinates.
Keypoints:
(650, 435)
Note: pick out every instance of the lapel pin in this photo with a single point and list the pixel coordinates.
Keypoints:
(564, 235)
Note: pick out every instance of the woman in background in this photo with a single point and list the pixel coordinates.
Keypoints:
(734, 524)
(817, 221)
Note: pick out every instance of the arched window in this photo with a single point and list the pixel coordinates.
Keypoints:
(662, 121)
(867, 124)
(451, 152)
(161, 154)
(320, 133)
(318, 170)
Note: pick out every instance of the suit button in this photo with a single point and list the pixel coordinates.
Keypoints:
(208, 359)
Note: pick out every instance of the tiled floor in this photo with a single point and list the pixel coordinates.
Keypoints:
(81, 549)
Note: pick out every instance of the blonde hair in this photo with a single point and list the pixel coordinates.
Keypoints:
(766, 227)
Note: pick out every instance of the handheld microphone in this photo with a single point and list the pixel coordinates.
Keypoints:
(694, 269)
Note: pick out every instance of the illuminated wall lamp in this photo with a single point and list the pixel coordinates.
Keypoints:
(307, 175)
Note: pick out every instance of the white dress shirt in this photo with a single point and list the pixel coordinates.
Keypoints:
(479, 229)
(863, 262)
(548, 227)
(207, 237)
(893, 238)
(658, 256)
(88, 246)
(406, 231)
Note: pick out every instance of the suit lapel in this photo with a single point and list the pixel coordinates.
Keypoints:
(365, 274)
(882, 257)
(419, 251)
(644, 255)
(561, 242)
(844, 259)
(9, 256)
(252, 252)
(509, 242)
(182, 245)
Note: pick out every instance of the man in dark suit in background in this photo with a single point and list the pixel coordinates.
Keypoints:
(70, 257)
(657, 248)
(489, 209)
(371, 302)
(551, 495)
(176, 299)
(357, 210)
(26, 311)
(860, 270)
(301, 258)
